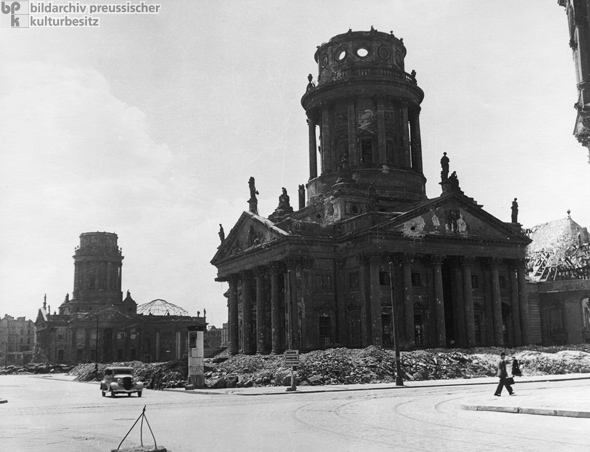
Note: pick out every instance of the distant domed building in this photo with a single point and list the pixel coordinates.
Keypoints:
(98, 325)
(559, 272)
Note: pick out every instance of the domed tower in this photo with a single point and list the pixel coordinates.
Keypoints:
(366, 110)
(98, 269)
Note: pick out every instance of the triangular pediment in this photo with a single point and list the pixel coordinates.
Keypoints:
(452, 215)
(251, 231)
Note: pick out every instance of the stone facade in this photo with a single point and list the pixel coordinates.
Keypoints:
(98, 325)
(579, 33)
(320, 276)
(17, 340)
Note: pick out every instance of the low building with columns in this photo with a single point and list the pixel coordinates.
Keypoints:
(98, 325)
(320, 276)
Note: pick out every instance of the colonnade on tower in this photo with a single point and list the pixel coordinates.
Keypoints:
(364, 113)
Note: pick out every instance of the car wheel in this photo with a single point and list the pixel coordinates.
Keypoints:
(138, 393)
(112, 393)
(128, 394)
(103, 393)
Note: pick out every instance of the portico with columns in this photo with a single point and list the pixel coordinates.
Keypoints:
(319, 276)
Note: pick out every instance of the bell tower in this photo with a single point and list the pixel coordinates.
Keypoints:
(363, 118)
(98, 269)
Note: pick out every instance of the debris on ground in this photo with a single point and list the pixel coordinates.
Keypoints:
(336, 366)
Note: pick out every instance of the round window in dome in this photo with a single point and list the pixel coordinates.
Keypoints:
(362, 52)
(324, 60)
(340, 55)
(384, 53)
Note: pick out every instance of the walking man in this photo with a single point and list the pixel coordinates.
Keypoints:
(503, 375)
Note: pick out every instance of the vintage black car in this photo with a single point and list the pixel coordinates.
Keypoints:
(120, 380)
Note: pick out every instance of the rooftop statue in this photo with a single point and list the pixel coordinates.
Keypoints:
(284, 201)
(444, 163)
(253, 191)
(454, 181)
(514, 211)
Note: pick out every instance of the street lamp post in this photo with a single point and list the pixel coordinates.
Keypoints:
(398, 368)
(96, 351)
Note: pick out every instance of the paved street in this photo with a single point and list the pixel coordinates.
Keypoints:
(48, 414)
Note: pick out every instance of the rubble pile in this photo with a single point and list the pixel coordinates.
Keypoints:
(171, 374)
(354, 366)
(36, 369)
(377, 365)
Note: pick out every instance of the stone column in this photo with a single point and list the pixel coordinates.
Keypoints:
(352, 148)
(375, 326)
(405, 137)
(439, 300)
(416, 140)
(340, 278)
(275, 309)
(247, 297)
(523, 303)
(233, 315)
(497, 304)
(381, 133)
(157, 346)
(305, 314)
(365, 293)
(326, 141)
(458, 305)
(291, 302)
(313, 149)
(517, 338)
(467, 262)
(488, 305)
(109, 270)
(261, 311)
(408, 299)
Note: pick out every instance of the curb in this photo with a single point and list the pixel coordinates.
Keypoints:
(237, 392)
(525, 410)
(336, 388)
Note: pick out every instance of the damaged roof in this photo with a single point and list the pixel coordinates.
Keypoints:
(560, 250)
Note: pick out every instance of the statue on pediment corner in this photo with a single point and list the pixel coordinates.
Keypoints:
(444, 163)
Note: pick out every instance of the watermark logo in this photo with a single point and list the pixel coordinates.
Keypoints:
(14, 14)
(33, 13)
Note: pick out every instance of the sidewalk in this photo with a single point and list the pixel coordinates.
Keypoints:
(570, 402)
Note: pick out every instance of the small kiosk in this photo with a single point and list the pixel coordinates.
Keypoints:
(196, 356)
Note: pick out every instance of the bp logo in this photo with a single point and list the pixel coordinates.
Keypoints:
(14, 14)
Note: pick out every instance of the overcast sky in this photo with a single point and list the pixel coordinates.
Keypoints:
(150, 127)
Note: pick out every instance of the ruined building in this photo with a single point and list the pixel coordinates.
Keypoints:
(559, 270)
(98, 325)
(17, 340)
(579, 33)
(319, 276)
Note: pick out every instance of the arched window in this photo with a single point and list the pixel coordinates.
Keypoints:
(366, 148)
(389, 153)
